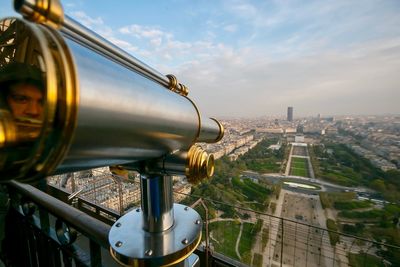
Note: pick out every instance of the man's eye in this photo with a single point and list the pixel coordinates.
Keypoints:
(20, 99)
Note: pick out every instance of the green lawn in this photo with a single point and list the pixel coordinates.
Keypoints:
(328, 199)
(226, 234)
(299, 162)
(299, 167)
(299, 172)
(351, 205)
(248, 237)
(253, 191)
(333, 236)
(246, 241)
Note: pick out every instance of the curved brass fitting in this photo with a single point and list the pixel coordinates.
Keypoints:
(173, 82)
(221, 130)
(183, 89)
(48, 12)
(200, 164)
(176, 87)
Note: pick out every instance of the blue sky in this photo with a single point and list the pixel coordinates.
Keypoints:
(255, 58)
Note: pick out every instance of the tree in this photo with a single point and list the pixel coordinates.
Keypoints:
(379, 185)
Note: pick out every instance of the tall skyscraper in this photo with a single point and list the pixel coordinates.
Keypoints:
(290, 113)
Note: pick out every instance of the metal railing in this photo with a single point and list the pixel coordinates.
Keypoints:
(266, 240)
(42, 230)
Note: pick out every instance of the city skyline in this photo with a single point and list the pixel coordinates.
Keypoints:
(252, 58)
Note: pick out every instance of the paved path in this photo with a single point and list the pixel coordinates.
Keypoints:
(310, 167)
(220, 220)
(238, 241)
(273, 232)
(289, 161)
(327, 250)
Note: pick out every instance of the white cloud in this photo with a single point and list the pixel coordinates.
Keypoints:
(86, 20)
(331, 82)
(156, 41)
(230, 28)
(123, 44)
(142, 31)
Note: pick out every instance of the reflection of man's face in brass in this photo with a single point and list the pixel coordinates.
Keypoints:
(25, 100)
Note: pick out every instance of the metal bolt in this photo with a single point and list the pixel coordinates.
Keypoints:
(148, 252)
(118, 244)
(197, 222)
(137, 210)
(185, 241)
(118, 225)
(186, 208)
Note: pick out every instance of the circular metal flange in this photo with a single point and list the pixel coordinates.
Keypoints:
(133, 246)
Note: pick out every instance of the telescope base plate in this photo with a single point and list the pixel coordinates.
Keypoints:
(131, 245)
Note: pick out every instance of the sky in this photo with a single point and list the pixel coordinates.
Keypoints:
(255, 58)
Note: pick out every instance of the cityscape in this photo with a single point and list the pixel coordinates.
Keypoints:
(324, 176)
(240, 133)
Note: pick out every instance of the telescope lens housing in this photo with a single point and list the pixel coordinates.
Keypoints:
(37, 100)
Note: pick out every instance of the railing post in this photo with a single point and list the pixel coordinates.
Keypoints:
(295, 243)
(308, 238)
(95, 254)
(282, 241)
(320, 247)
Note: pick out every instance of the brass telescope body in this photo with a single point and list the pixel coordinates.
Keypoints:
(101, 107)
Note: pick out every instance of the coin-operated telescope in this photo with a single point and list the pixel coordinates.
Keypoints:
(70, 100)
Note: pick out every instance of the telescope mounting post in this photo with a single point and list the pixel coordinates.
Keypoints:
(160, 233)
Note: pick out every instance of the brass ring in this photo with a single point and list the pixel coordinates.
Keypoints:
(183, 90)
(173, 82)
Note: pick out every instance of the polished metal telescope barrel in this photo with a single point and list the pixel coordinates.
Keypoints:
(101, 106)
(124, 116)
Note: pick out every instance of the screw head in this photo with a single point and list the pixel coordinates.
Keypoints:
(197, 222)
(185, 241)
(118, 244)
(118, 225)
(148, 252)
(137, 210)
(186, 208)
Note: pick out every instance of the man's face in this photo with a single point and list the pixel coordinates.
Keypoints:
(25, 100)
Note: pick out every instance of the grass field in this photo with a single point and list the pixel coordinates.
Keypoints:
(299, 163)
(257, 260)
(246, 241)
(332, 226)
(299, 167)
(224, 236)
